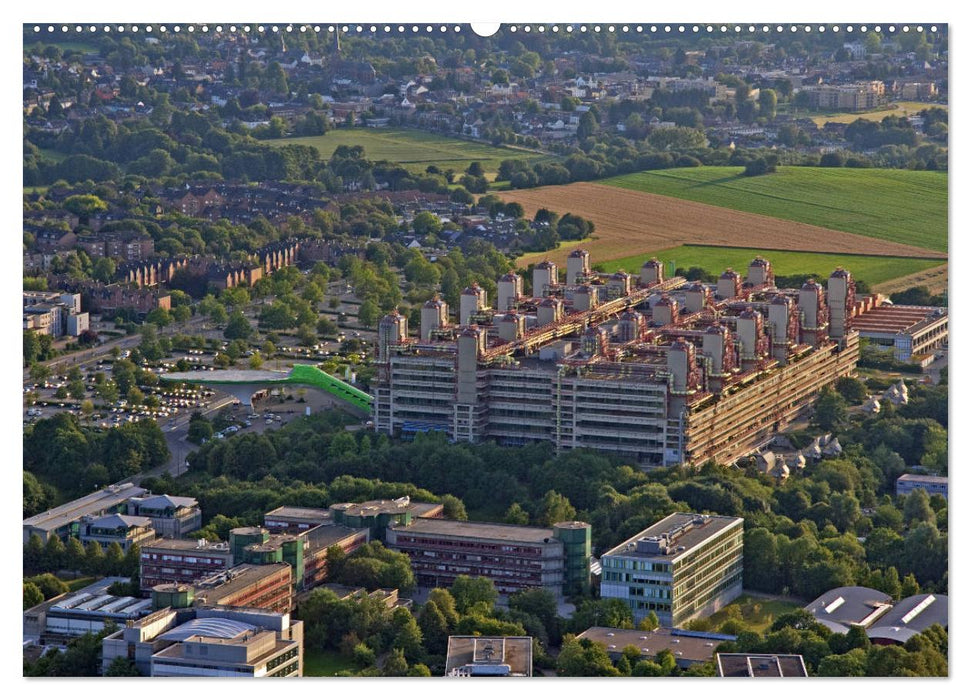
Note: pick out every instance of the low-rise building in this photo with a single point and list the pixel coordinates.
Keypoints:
(378, 515)
(515, 557)
(761, 666)
(911, 331)
(65, 520)
(171, 516)
(178, 561)
(906, 483)
(688, 646)
(682, 567)
(884, 621)
(54, 314)
(124, 530)
(482, 657)
(70, 615)
(210, 642)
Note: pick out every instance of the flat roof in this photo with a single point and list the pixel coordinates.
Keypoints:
(91, 504)
(761, 666)
(689, 647)
(896, 319)
(310, 514)
(489, 653)
(188, 545)
(398, 505)
(215, 588)
(478, 531)
(243, 376)
(926, 478)
(687, 530)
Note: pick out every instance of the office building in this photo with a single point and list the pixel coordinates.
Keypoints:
(181, 561)
(378, 515)
(661, 371)
(913, 332)
(906, 483)
(489, 657)
(267, 586)
(514, 557)
(210, 642)
(65, 520)
(123, 530)
(172, 516)
(54, 314)
(682, 567)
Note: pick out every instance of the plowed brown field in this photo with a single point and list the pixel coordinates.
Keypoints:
(629, 223)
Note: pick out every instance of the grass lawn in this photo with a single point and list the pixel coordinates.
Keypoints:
(79, 583)
(714, 259)
(757, 613)
(896, 109)
(904, 206)
(324, 663)
(413, 149)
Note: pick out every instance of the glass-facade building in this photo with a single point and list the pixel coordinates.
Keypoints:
(684, 566)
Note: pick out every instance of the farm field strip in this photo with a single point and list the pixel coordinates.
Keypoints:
(873, 269)
(636, 223)
(902, 206)
(413, 149)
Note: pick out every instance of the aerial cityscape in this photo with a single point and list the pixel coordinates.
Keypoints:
(403, 351)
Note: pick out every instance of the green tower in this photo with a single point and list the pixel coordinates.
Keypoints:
(242, 537)
(172, 595)
(575, 536)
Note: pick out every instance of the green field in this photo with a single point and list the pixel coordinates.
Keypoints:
(757, 614)
(324, 663)
(413, 149)
(714, 259)
(904, 206)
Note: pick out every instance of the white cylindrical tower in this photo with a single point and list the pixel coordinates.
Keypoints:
(839, 297)
(392, 329)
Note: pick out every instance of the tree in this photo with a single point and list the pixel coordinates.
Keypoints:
(238, 327)
(407, 634)
(830, 413)
(917, 508)
(122, 666)
(33, 551)
(445, 602)
(468, 591)
(434, 628)
(54, 553)
(396, 664)
(367, 313)
(555, 508)
(256, 360)
(583, 657)
(363, 655)
(426, 223)
(32, 595)
(49, 585)
(114, 559)
(515, 515)
(767, 103)
(93, 558)
(74, 555)
(649, 623)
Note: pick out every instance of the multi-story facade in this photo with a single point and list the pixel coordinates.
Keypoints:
(54, 314)
(683, 566)
(515, 557)
(907, 483)
(210, 642)
(661, 371)
(176, 561)
(854, 97)
(911, 331)
(265, 586)
(65, 520)
(124, 530)
(171, 516)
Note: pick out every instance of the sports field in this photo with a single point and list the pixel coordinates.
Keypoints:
(413, 149)
(714, 259)
(903, 206)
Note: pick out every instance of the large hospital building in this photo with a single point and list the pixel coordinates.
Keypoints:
(663, 371)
